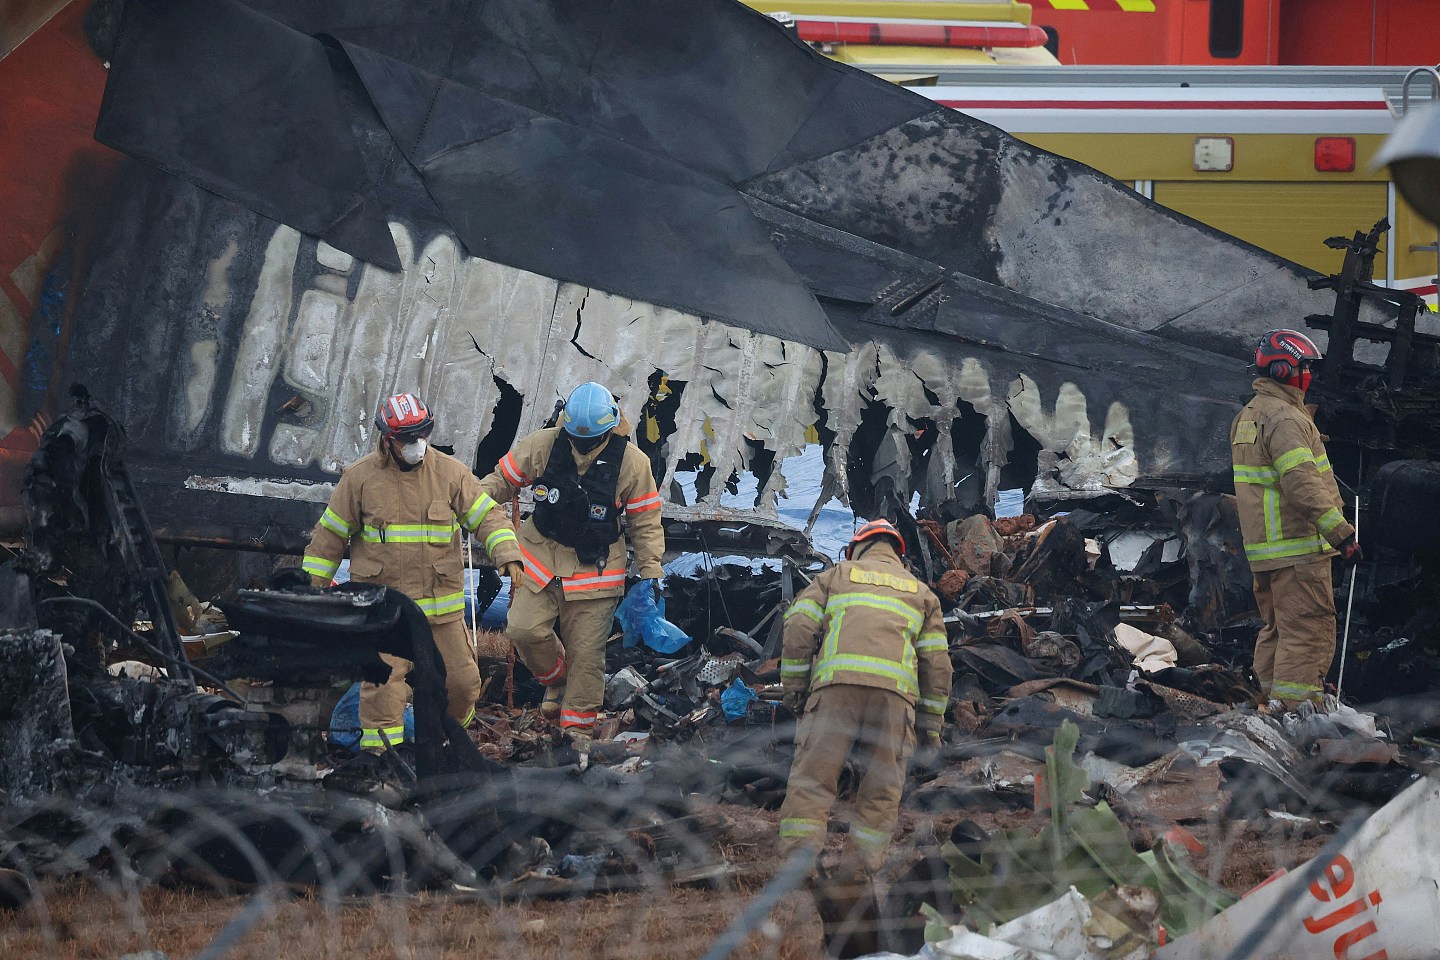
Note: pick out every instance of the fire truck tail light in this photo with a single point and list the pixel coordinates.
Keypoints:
(1335, 154)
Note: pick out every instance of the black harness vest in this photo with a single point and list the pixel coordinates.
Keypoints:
(579, 511)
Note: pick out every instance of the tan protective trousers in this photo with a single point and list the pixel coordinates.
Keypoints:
(382, 705)
(1297, 641)
(879, 726)
(563, 641)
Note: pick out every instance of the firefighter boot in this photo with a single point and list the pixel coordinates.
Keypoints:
(550, 706)
(849, 914)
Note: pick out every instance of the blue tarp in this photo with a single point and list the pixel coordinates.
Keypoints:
(643, 618)
(736, 700)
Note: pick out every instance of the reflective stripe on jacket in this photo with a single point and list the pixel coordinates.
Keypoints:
(403, 528)
(544, 559)
(869, 622)
(1289, 504)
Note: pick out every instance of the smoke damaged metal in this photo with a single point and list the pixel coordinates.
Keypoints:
(160, 780)
(851, 262)
(86, 524)
(34, 713)
(86, 519)
(1403, 498)
(1393, 405)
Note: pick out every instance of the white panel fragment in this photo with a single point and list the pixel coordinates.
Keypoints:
(449, 326)
(257, 487)
(308, 366)
(258, 357)
(293, 446)
(337, 260)
(199, 380)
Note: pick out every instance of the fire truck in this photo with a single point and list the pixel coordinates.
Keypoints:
(1260, 118)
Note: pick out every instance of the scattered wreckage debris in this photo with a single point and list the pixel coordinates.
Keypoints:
(232, 781)
(1093, 882)
(1370, 893)
(226, 778)
(999, 878)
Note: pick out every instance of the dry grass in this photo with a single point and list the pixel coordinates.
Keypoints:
(94, 919)
(80, 919)
(492, 644)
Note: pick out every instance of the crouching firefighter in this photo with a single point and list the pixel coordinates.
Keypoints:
(401, 510)
(1291, 521)
(866, 665)
(584, 476)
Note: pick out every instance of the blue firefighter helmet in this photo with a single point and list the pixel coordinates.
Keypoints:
(590, 412)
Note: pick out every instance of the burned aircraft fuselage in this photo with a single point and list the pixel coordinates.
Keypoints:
(946, 310)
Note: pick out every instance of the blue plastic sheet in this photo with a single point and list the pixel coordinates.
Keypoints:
(736, 700)
(494, 616)
(345, 720)
(642, 618)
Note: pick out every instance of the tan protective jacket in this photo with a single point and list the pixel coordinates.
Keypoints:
(545, 560)
(403, 527)
(1289, 503)
(869, 622)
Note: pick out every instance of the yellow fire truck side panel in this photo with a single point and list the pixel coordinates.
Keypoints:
(1171, 156)
(1273, 172)
(1290, 219)
(881, 59)
(993, 10)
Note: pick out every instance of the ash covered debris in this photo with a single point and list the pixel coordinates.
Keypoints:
(226, 779)
(1088, 621)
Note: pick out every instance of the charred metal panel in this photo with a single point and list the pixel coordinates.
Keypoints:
(305, 341)
(34, 712)
(961, 194)
(246, 357)
(86, 523)
(546, 138)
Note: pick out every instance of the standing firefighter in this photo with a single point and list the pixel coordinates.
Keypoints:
(1290, 517)
(584, 478)
(401, 509)
(866, 659)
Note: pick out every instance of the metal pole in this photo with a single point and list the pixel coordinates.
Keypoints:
(474, 607)
(1354, 573)
(514, 590)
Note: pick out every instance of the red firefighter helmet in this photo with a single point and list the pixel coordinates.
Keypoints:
(871, 530)
(406, 416)
(1281, 354)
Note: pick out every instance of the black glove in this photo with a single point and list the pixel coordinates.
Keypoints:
(1350, 552)
(794, 701)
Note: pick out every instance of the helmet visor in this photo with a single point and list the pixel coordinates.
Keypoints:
(417, 431)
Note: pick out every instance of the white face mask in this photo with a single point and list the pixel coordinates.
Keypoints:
(413, 452)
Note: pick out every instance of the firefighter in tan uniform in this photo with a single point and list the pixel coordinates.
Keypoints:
(401, 510)
(584, 477)
(1291, 521)
(866, 658)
